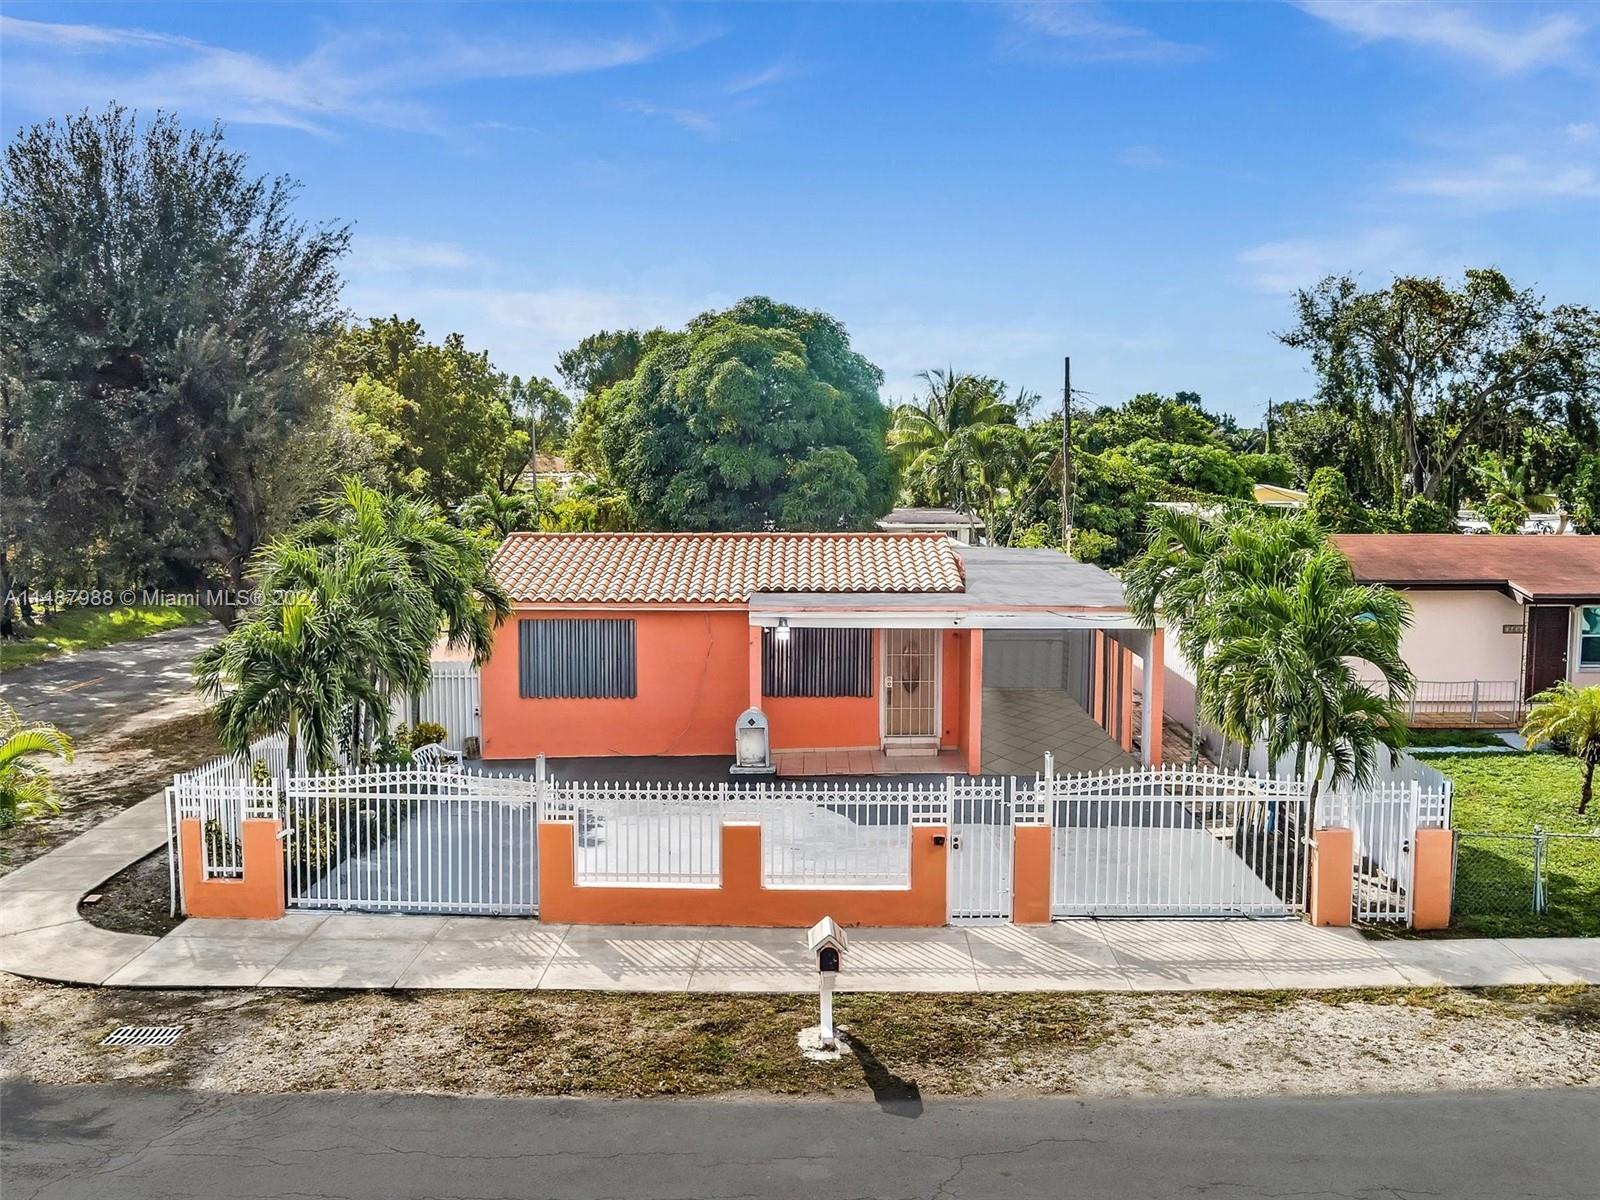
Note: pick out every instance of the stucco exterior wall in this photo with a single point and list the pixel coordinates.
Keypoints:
(696, 671)
(692, 684)
(1457, 635)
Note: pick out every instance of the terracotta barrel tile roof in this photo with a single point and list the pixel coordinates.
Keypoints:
(1535, 566)
(720, 567)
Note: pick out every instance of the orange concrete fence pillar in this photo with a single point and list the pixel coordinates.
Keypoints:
(257, 894)
(1433, 865)
(741, 899)
(1030, 875)
(1332, 877)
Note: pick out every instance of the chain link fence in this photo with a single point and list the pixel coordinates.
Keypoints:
(1528, 884)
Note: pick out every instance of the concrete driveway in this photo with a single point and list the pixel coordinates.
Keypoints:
(85, 692)
(1021, 724)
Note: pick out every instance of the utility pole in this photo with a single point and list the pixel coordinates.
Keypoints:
(1066, 455)
(1269, 424)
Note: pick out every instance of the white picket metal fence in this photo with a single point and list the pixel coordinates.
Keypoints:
(401, 839)
(1172, 841)
(1175, 841)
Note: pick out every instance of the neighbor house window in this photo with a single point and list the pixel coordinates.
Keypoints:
(1589, 638)
(577, 659)
(817, 662)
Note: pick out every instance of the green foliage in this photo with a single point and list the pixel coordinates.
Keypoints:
(438, 418)
(1508, 494)
(25, 786)
(1583, 495)
(1210, 470)
(1267, 468)
(164, 315)
(931, 439)
(605, 358)
(826, 491)
(710, 429)
(427, 733)
(495, 514)
(589, 507)
(260, 772)
(1151, 417)
(1272, 621)
(1569, 717)
(1330, 504)
(357, 598)
(72, 629)
(1092, 546)
(1424, 368)
(542, 406)
(1427, 516)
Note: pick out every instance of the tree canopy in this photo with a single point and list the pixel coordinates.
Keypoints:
(164, 316)
(438, 417)
(735, 422)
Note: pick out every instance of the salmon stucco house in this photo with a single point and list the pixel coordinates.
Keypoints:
(868, 653)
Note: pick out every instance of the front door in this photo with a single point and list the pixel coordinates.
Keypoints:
(1549, 629)
(911, 684)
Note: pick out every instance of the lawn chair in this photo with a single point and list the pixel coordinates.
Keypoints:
(436, 756)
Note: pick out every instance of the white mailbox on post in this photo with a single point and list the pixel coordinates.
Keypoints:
(827, 942)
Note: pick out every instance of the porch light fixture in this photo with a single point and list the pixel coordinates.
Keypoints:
(783, 629)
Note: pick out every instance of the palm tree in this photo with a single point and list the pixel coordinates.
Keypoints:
(920, 432)
(497, 514)
(298, 664)
(1192, 564)
(25, 787)
(1285, 662)
(1569, 716)
(1509, 496)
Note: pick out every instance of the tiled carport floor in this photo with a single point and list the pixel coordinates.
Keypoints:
(1021, 724)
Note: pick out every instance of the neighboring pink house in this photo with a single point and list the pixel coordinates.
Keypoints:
(1511, 614)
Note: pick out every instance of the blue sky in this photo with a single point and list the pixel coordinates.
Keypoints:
(987, 186)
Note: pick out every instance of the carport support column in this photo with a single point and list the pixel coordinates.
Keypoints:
(973, 734)
(755, 666)
(1152, 688)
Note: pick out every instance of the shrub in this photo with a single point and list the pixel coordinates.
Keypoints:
(1427, 516)
(426, 734)
(1090, 545)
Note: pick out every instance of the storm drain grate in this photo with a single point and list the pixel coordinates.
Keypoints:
(143, 1035)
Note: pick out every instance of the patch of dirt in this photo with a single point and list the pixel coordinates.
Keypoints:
(114, 770)
(137, 899)
(559, 1043)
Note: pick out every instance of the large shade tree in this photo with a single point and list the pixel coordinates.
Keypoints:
(732, 423)
(164, 311)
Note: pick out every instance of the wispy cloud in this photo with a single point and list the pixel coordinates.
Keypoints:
(693, 119)
(370, 76)
(1085, 30)
(1554, 39)
(1508, 181)
(1143, 158)
(387, 254)
(777, 72)
(1283, 266)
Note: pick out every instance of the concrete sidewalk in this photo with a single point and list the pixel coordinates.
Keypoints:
(41, 935)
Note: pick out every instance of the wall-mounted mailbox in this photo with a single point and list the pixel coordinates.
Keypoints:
(752, 744)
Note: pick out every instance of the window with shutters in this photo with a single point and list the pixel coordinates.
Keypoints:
(577, 659)
(817, 662)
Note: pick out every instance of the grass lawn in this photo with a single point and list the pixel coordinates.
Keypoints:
(90, 628)
(1511, 793)
(1423, 739)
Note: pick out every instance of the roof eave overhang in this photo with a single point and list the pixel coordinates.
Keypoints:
(945, 618)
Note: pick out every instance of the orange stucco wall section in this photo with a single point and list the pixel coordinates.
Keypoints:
(1332, 877)
(1030, 875)
(1432, 868)
(698, 668)
(741, 900)
(258, 894)
(692, 684)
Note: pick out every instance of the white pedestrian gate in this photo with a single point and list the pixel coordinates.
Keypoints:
(1172, 841)
(980, 851)
(1383, 820)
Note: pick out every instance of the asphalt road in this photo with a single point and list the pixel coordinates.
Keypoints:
(86, 691)
(82, 1143)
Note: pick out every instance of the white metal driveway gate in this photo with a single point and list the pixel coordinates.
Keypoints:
(980, 851)
(1177, 842)
(414, 841)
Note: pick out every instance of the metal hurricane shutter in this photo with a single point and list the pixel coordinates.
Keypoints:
(577, 658)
